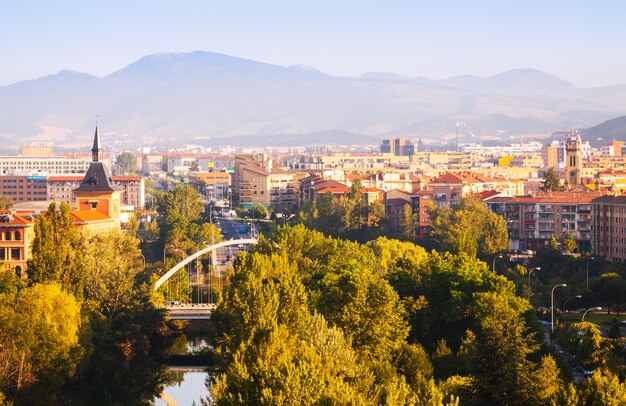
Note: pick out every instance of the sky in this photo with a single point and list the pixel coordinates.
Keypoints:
(582, 42)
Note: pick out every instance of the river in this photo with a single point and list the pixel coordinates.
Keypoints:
(188, 386)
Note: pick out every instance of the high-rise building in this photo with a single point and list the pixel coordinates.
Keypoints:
(398, 146)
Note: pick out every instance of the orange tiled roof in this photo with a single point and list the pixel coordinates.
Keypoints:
(66, 178)
(85, 216)
(127, 177)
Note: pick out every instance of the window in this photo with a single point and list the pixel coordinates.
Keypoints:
(7, 235)
(18, 236)
(15, 254)
(3, 254)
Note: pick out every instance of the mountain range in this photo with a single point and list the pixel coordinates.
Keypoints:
(215, 99)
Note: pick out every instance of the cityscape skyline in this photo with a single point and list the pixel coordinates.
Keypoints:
(349, 39)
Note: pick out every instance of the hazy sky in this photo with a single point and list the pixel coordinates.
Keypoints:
(583, 42)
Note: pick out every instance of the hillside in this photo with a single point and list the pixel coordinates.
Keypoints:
(178, 97)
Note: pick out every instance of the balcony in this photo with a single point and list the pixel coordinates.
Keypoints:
(546, 226)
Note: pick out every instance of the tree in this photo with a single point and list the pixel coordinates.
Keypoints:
(469, 227)
(40, 338)
(503, 346)
(569, 243)
(57, 250)
(127, 162)
(408, 223)
(547, 383)
(6, 202)
(603, 388)
(551, 181)
(553, 244)
(365, 307)
(180, 207)
(611, 289)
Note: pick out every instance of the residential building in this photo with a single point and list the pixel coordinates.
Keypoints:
(24, 188)
(43, 165)
(532, 220)
(609, 228)
(33, 149)
(257, 181)
(16, 236)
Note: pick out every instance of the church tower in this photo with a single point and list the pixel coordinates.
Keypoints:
(573, 150)
(96, 191)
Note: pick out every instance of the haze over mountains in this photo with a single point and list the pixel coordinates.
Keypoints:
(175, 98)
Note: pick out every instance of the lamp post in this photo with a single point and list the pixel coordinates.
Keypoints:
(590, 258)
(587, 311)
(571, 297)
(538, 268)
(552, 306)
(493, 265)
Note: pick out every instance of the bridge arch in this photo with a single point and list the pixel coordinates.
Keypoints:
(199, 253)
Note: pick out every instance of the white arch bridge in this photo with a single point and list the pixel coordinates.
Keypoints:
(196, 311)
(199, 253)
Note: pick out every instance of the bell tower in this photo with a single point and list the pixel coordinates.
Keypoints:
(573, 163)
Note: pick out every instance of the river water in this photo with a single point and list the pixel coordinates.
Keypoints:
(190, 386)
(188, 392)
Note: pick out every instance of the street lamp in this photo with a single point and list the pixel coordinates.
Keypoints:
(493, 265)
(552, 306)
(590, 258)
(587, 311)
(538, 268)
(144, 261)
(568, 299)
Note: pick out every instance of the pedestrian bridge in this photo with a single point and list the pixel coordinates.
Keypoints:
(198, 254)
(190, 311)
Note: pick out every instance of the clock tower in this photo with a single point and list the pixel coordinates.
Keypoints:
(574, 156)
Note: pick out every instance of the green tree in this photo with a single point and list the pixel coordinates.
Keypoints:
(603, 388)
(127, 162)
(611, 289)
(366, 308)
(6, 202)
(40, 338)
(469, 227)
(408, 223)
(503, 346)
(551, 181)
(181, 207)
(553, 244)
(259, 212)
(569, 243)
(57, 250)
(547, 384)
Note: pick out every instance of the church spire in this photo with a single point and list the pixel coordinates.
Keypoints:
(97, 153)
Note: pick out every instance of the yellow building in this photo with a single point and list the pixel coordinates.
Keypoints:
(16, 234)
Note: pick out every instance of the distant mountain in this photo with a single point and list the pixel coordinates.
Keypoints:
(606, 131)
(174, 98)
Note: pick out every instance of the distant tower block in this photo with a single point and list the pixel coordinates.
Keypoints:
(573, 150)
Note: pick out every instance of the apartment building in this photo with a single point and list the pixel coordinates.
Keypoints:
(43, 164)
(532, 220)
(449, 188)
(257, 181)
(61, 189)
(24, 188)
(609, 228)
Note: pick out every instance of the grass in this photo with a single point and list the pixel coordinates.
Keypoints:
(600, 318)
